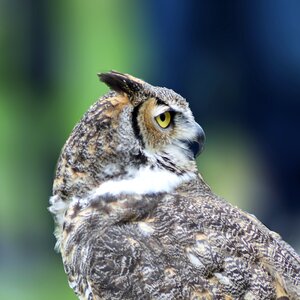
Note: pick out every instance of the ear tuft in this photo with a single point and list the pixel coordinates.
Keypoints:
(121, 83)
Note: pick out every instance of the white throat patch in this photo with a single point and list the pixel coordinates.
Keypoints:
(143, 181)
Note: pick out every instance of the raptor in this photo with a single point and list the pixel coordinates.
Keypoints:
(135, 220)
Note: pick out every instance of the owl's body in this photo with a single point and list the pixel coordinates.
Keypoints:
(135, 220)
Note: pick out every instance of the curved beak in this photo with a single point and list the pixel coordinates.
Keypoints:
(196, 146)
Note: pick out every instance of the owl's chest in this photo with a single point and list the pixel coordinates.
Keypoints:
(165, 252)
(177, 249)
(165, 255)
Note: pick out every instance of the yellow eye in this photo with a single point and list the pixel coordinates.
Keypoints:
(164, 120)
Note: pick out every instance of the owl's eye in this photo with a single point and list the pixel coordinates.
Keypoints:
(164, 119)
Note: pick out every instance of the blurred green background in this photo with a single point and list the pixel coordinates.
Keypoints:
(51, 52)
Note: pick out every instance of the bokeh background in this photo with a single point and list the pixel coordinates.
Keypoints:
(237, 62)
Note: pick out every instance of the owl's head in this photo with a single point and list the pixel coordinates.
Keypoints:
(138, 138)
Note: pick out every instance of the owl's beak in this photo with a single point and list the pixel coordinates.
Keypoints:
(196, 146)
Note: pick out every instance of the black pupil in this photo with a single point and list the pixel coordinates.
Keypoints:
(163, 117)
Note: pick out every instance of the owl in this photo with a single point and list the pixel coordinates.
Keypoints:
(135, 220)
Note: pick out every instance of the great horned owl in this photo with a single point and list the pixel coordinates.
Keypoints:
(135, 220)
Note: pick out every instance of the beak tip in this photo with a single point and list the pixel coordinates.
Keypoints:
(199, 142)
